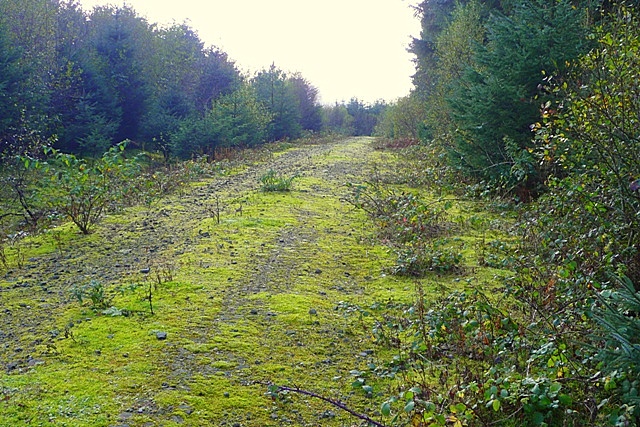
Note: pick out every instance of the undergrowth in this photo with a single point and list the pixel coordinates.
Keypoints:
(522, 348)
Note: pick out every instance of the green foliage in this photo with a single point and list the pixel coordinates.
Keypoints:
(336, 119)
(621, 354)
(495, 366)
(234, 120)
(10, 75)
(497, 100)
(588, 144)
(95, 293)
(432, 256)
(82, 190)
(411, 227)
(310, 110)
(242, 120)
(275, 90)
(274, 181)
(402, 120)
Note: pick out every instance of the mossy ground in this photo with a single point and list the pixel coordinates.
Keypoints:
(245, 302)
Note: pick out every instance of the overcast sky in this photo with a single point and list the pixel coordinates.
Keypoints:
(346, 48)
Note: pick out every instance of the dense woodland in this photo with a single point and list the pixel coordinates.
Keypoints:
(530, 106)
(82, 81)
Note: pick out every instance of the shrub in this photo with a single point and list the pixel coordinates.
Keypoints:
(81, 190)
(436, 256)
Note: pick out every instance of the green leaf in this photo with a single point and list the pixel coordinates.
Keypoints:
(410, 406)
(386, 409)
(495, 405)
(537, 418)
(555, 387)
(565, 399)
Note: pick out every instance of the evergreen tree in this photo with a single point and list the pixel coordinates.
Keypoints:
(307, 96)
(276, 92)
(122, 41)
(498, 99)
(10, 93)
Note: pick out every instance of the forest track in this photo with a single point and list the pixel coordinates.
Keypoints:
(289, 258)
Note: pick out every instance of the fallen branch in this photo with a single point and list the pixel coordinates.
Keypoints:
(335, 403)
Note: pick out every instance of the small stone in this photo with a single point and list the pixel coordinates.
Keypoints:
(110, 336)
(318, 271)
(145, 270)
(125, 415)
(161, 336)
(35, 362)
(186, 409)
(313, 312)
(12, 366)
(253, 311)
(98, 353)
(226, 394)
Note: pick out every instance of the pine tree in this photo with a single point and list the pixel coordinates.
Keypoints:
(498, 99)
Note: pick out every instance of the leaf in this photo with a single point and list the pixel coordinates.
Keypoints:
(555, 387)
(410, 406)
(537, 418)
(565, 399)
(495, 405)
(386, 409)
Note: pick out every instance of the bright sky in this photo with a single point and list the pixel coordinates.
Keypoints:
(346, 48)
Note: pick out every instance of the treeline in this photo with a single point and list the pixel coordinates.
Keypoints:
(84, 81)
(538, 101)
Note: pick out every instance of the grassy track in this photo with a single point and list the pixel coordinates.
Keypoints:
(243, 303)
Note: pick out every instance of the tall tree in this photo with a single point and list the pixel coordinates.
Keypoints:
(275, 91)
(498, 99)
(122, 40)
(307, 96)
(11, 102)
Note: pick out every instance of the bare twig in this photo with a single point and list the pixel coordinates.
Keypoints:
(333, 402)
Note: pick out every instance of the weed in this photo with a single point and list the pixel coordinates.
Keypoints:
(56, 235)
(14, 243)
(95, 292)
(3, 253)
(274, 181)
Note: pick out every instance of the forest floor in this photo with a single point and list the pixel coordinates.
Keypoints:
(201, 316)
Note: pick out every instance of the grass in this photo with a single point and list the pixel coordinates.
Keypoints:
(253, 300)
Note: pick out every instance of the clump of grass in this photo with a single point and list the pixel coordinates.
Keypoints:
(274, 181)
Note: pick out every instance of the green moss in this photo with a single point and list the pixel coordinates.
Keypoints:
(252, 300)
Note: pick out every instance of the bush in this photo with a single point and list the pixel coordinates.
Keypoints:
(82, 190)
(436, 256)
